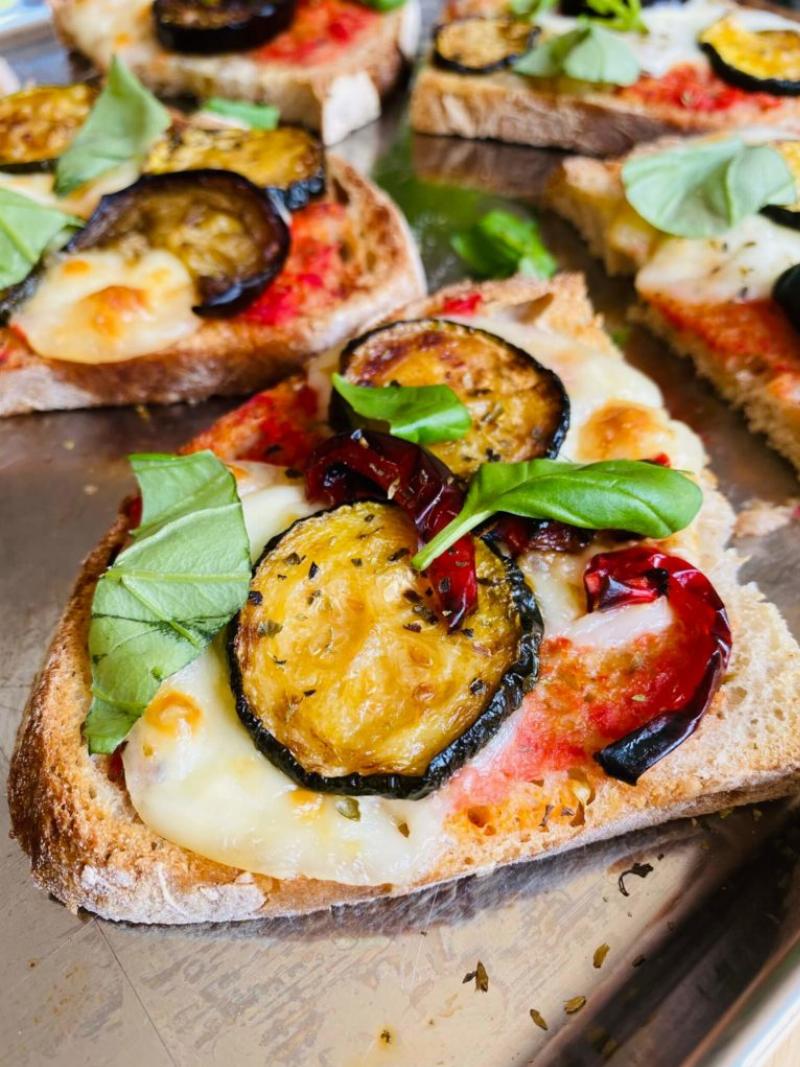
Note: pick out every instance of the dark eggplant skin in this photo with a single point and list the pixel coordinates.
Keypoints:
(521, 39)
(140, 208)
(518, 680)
(741, 80)
(784, 216)
(219, 26)
(573, 8)
(457, 455)
(786, 293)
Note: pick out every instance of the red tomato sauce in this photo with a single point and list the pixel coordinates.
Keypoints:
(321, 30)
(314, 273)
(694, 88)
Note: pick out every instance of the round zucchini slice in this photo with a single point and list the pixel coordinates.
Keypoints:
(209, 27)
(476, 45)
(345, 677)
(766, 61)
(38, 124)
(519, 409)
(786, 293)
(226, 232)
(788, 214)
(289, 161)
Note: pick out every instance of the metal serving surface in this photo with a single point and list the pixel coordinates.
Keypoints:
(383, 984)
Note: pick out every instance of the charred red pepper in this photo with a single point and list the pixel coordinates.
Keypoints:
(364, 465)
(637, 576)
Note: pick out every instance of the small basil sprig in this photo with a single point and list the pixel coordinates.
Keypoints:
(501, 244)
(164, 597)
(422, 414)
(701, 190)
(255, 116)
(588, 53)
(643, 498)
(122, 126)
(622, 15)
(27, 230)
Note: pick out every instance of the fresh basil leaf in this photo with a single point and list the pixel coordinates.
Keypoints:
(501, 244)
(530, 9)
(383, 5)
(123, 124)
(256, 116)
(625, 16)
(165, 596)
(423, 414)
(701, 190)
(643, 498)
(27, 230)
(588, 53)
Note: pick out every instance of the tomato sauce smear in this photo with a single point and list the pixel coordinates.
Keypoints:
(320, 32)
(697, 89)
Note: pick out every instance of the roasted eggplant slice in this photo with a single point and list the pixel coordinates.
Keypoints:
(209, 27)
(289, 161)
(225, 231)
(573, 8)
(519, 409)
(38, 124)
(345, 677)
(477, 45)
(766, 61)
(786, 292)
(788, 215)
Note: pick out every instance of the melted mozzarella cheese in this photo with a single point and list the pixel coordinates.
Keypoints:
(196, 778)
(741, 265)
(83, 200)
(99, 307)
(619, 626)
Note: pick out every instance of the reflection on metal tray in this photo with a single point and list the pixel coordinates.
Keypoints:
(383, 984)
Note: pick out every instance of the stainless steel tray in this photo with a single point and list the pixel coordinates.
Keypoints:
(702, 967)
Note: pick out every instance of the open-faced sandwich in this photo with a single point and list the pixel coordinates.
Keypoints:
(598, 76)
(324, 63)
(148, 258)
(710, 228)
(464, 602)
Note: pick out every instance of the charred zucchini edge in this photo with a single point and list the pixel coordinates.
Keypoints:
(517, 680)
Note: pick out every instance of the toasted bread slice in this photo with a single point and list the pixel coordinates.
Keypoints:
(593, 120)
(329, 71)
(381, 269)
(754, 362)
(90, 849)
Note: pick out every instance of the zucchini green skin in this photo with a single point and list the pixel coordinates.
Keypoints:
(545, 446)
(518, 680)
(738, 78)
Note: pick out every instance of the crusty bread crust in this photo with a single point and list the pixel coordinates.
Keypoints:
(588, 193)
(334, 97)
(229, 357)
(89, 848)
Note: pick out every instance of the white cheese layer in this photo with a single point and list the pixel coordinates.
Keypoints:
(99, 307)
(83, 200)
(741, 265)
(673, 30)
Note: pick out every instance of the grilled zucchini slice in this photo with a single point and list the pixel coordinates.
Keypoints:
(208, 27)
(519, 409)
(345, 677)
(289, 162)
(38, 124)
(226, 232)
(476, 45)
(766, 61)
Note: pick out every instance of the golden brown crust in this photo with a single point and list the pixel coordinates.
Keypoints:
(89, 848)
(227, 357)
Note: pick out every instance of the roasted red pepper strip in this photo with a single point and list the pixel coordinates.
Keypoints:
(639, 575)
(367, 465)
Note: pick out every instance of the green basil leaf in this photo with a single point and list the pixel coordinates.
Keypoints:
(530, 9)
(123, 124)
(501, 244)
(625, 16)
(643, 498)
(588, 53)
(701, 190)
(383, 5)
(423, 414)
(183, 577)
(27, 230)
(256, 116)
